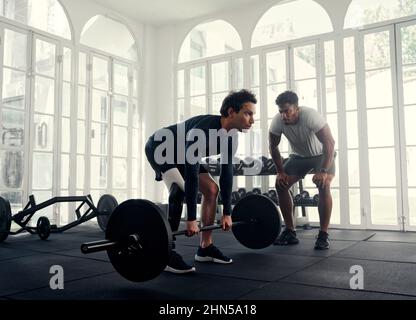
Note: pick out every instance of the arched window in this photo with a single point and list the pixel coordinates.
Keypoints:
(108, 87)
(109, 36)
(289, 21)
(363, 12)
(46, 15)
(209, 39)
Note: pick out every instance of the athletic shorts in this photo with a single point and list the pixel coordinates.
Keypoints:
(300, 166)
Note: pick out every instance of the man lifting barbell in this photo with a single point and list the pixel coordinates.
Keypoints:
(312, 146)
(183, 178)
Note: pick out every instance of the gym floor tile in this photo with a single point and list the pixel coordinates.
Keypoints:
(383, 251)
(10, 253)
(21, 274)
(304, 248)
(255, 266)
(336, 234)
(101, 256)
(394, 236)
(289, 291)
(380, 276)
(56, 242)
(87, 229)
(167, 286)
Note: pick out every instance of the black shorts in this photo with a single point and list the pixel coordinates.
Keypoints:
(162, 168)
(300, 166)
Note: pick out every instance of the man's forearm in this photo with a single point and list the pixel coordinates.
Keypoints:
(191, 190)
(277, 158)
(328, 150)
(226, 185)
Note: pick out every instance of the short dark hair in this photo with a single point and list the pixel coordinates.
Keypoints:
(287, 97)
(235, 100)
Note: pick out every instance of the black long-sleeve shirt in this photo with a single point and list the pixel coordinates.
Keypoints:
(205, 123)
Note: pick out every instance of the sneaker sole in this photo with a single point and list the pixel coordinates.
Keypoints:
(321, 248)
(210, 259)
(177, 271)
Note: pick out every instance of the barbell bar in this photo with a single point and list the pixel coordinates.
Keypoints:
(102, 245)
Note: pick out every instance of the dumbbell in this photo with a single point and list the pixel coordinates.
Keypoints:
(238, 168)
(263, 160)
(270, 167)
(248, 162)
(235, 197)
(242, 192)
(315, 199)
(139, 239)
(304, 194)
(301, 198)
(252, 166)
(256, 191)
(273, 195)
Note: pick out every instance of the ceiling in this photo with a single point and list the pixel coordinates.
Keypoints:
(162, 12)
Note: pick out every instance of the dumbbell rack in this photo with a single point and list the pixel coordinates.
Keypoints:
(267, 169)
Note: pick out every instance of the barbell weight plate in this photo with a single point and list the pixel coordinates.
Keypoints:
(5, 218)
(267, 221)
(145, 219)
(106, 204)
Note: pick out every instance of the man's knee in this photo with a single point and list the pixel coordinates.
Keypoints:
(285, 189)
(326, 186)
(211, 191)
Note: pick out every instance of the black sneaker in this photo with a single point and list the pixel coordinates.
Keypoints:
(177, 265)
(322, 241)
(211, 254)
(287, 237)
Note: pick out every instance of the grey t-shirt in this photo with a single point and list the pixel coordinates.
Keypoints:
(301, 136)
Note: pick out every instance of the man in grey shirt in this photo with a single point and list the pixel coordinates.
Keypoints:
(312, 149)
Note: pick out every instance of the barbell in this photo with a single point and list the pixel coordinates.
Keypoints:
(139, 239)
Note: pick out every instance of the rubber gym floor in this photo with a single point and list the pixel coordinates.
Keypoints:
(388, 261)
